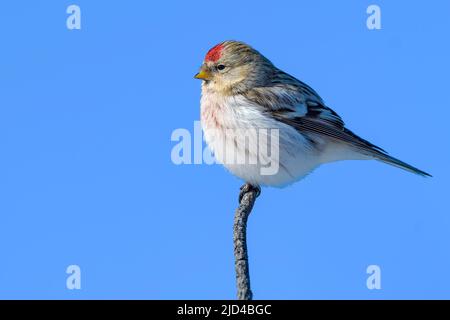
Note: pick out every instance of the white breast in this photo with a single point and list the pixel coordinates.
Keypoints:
(226, 119)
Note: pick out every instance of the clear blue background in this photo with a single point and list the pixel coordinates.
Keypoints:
(86, 176)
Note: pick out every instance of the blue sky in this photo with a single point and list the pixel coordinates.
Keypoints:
(86, 176)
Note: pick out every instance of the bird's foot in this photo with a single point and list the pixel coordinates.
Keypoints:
(249, 188)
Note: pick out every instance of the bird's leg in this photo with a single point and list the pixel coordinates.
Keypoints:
(248, 188)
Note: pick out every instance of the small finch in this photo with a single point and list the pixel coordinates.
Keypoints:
(243, 90)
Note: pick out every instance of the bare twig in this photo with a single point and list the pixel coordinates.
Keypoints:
(247, 199)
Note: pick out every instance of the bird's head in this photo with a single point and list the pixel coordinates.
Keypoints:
(232, 67)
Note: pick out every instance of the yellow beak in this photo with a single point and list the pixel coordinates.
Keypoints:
(203, 75)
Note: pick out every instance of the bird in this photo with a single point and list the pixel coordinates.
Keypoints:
(243, 91)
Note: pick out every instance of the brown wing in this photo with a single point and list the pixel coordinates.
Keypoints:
(294, 103)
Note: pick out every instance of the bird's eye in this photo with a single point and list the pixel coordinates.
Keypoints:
(220, 67)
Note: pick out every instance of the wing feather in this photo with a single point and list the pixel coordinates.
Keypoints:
(295, 103)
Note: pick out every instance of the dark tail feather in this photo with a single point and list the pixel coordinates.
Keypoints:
(400, 164)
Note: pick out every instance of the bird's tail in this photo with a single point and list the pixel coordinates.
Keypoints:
(399, 164)
(375, 152)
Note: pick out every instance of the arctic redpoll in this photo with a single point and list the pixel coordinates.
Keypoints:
(243, 90)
